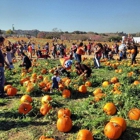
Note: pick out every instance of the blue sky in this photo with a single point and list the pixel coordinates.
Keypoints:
(102, 16)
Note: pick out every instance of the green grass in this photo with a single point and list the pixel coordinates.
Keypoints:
(86, 114)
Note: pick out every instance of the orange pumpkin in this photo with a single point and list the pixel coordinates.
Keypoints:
(45, 138)
(110, 108)
(105, 84)
(42, 85)
(82, 89)
(84, 134)
(45, 108)
(6, 87)
(116, 86)
(136, 82)
(12, 91)
(45, 99)
(134, 114)
(40, 77)
(34, 75)
(43, 71)
(120, 121)
(26, 98)
(63, 111)
(64, 124)
(112, 130)
(61, 87)
(66, 93)
(99, 96)
(114, 80)
(24, 108)
(97, 91)
(88, 84)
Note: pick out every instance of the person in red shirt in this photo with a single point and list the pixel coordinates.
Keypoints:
(30, 50)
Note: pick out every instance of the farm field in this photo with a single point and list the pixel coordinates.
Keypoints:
(116, 82)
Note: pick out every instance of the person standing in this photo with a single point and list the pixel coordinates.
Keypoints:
(8, 57)
(98, 55)
(134, 53)
(2, 61)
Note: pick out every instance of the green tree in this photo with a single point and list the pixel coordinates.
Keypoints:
(9, 32)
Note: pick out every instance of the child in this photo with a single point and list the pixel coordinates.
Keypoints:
(121, 55)
(55, 81)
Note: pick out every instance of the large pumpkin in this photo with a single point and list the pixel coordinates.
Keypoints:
(64, 124)
(63, 111)
(66, 93)
(82, 89)
(84, 134)
(45, 108)
(45, 99)
(110, 108)
(120, 121)
(26, 98)
(12, 91)
(112, 130)
(134, 114)
(24, 108)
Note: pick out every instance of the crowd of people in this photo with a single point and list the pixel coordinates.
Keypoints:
(26, 50)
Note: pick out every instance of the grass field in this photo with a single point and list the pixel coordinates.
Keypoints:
(87, 113)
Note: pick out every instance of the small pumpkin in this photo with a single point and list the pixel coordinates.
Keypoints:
(97, 91)
(45, 138)
(110, 108)
(88, 84)
(64, 124)
(24, 108)
(45, 99)
(105, 84)
(12, 91)
(45, 108)
(26, 98)
(82, 89)
(66, 93)
(6, 87)
(114, 80)
(134, 114)
(43, 71)
(112, 130)
(84, 134)
(99, 96)
(63, 111)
